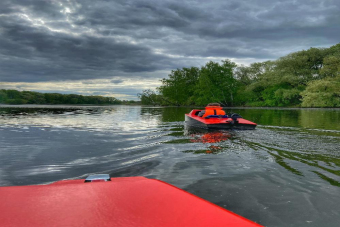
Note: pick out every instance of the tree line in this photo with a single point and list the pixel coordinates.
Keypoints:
(307, 78)
(31, 97)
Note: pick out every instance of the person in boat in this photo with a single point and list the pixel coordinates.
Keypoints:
(212, 109)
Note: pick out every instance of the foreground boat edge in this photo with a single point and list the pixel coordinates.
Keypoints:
(128, 201)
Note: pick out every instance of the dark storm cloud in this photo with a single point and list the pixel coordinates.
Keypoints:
(36, 54)
(52, 40)
(117, 81)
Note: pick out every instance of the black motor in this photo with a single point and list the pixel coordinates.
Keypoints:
(235, 116)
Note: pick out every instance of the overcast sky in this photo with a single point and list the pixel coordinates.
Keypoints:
(120, 47)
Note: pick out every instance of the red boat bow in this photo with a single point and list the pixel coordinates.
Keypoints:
(132, 201)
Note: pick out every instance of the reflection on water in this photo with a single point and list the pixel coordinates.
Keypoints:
(205, 136)
(210, 137)
(288, 165)
(304, 118)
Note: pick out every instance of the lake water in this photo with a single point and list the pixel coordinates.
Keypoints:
(286, 172)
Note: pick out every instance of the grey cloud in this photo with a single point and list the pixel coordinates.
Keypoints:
(88, 82)
(117, 81)
(34, 51)
(73, 40)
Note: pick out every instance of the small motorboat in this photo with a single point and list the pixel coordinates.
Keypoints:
(213, 117)
(104, 201)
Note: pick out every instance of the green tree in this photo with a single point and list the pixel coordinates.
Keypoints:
(30, 97)
(302, 66)
(3, 96)
(217, 83)
(322, 93)
(247, 75)
(272, 83)
(149, 97)
(331, 66)
(180, 87)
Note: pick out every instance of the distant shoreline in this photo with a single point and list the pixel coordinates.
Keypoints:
(194, 107)
(62, 105)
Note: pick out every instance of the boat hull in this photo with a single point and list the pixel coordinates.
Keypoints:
(129, 201)
(193, 120)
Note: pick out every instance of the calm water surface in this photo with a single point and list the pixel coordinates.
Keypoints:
(284, 173)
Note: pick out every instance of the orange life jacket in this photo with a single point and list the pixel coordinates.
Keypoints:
(213, 110)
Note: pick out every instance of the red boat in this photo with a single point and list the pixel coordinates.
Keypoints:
(105, 201)
(213, 117)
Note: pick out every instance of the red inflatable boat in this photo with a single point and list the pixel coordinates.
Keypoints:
(196, 119)
(130, 201)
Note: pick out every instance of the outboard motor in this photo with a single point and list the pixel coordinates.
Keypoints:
(235, 116)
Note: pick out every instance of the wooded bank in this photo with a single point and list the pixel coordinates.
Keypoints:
(307, 78)
(31, 97)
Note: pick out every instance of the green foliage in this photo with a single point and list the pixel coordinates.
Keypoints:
(30, 97)
(280, 95)
(288, 96)
(331, 66)
(217, 83)
(322, 93)
(248, 75)
(281, 82)
(149, 97)
(3, 96)
(180, 87)
(304, 78)
(214, 82)
(302, 66)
